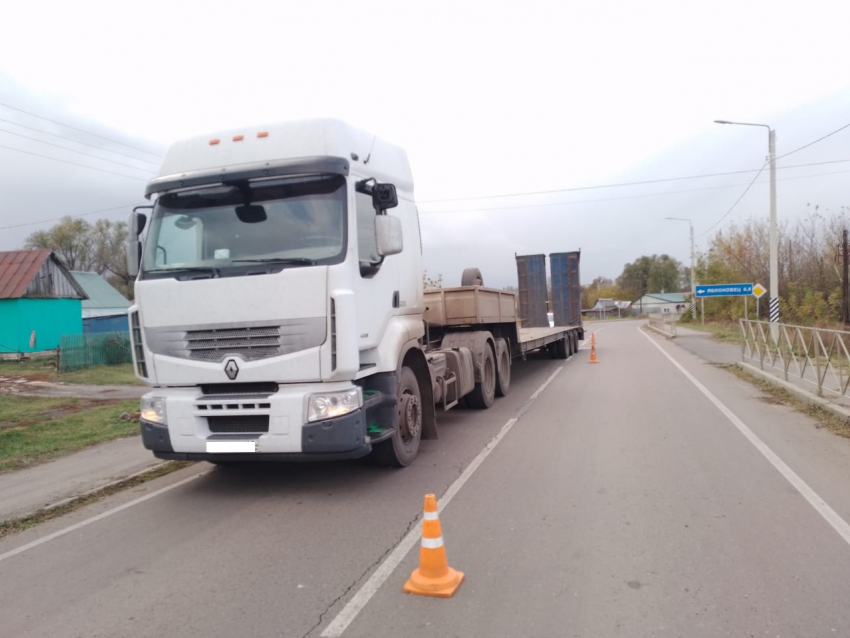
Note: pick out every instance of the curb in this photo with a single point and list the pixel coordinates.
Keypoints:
(798, 392)
(661, 332)
(69, 499)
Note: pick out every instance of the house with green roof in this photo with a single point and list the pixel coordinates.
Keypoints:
(664, 302)
(105, 310)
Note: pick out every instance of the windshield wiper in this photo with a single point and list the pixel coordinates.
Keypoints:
(277, 260)
(207, 269)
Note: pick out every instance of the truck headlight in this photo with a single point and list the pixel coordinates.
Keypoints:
(153, 409)
(328, 405)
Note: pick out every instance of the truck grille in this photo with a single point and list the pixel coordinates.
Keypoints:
(248, 343)
(253, 424)
(251, 341)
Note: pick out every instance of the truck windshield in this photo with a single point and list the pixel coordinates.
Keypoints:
(226, 230)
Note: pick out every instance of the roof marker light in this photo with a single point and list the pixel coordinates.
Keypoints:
(263, 134)
(214, 141)
(238, 138)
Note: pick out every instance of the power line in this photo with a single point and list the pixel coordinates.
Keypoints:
(820, 139)
(56, 219)
(746, 190)
(74, 128)
(621, 184)
(55, 159)
(71, 139)
(71, 150)
(737, 201)
(611, 199)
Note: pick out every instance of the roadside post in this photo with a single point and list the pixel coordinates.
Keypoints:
(758, 292)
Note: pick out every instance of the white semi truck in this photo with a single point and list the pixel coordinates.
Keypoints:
(279, 312)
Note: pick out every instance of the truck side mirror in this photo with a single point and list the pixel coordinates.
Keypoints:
(134, 257)
(135, 226)
(384, 196)
(389, 235)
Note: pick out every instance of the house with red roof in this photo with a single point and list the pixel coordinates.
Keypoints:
(39, 302)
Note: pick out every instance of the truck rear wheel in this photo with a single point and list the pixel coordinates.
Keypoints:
(484, 393)
(503, 377)
(401, 448)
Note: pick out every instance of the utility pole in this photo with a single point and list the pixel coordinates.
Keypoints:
(693, 266)
(774, 238)
(774, 233)
(693, 277)
(845, 284)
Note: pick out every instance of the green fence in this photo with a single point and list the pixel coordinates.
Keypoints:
(96, 349)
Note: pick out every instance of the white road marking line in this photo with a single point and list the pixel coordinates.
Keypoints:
(354, 606)
(95, 519)
(821, 506)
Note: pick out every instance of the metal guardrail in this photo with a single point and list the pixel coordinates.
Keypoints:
(664, 323)
(817, 357)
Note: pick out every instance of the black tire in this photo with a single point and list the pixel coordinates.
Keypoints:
(484, 393)
(561, 350)
(503, 376)
(400, 449)
(471, 277)
(573, 343)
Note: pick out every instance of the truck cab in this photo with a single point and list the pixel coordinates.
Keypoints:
(278, 301)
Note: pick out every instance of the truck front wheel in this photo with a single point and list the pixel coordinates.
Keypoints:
(400, 449)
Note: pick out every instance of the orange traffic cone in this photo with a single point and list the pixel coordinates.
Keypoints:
(593, 358)
(433, 577)
(593, 338)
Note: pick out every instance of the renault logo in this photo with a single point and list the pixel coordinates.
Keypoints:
(231, 369)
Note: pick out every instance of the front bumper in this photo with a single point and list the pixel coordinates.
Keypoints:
(334, 439)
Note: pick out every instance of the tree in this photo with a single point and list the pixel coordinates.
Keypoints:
(111, 254)
(97, 247)
(429, 282)
(656, 273)
(70, 239)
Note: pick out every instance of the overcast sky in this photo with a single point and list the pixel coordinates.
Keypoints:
(486, 101)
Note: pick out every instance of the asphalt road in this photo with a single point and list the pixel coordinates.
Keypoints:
(622, 502)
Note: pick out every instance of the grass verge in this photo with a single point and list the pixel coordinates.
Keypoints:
(16, 525)
(45, 370)
(823, 418)
(726, 332)
(34, 430)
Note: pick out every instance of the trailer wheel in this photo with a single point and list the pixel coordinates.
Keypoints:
(400, 449)
(484, 393)
(561, 351)
(503, 376)
(471, 277)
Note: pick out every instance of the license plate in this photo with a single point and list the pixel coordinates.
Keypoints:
(230, 447)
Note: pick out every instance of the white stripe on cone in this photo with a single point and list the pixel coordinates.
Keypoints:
(432, 543)
(430, 516)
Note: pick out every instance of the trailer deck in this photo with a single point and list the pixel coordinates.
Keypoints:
(534, 338)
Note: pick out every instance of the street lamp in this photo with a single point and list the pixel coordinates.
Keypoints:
(693, 266)
(774, 237)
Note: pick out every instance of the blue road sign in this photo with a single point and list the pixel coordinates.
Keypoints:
(725, 290)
